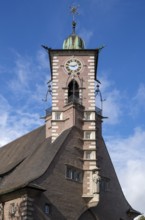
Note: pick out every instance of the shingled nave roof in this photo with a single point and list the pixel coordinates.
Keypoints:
(27, 158)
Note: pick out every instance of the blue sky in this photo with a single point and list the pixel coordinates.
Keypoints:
(24, 71)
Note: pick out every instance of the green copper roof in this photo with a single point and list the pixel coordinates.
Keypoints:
(73, 42)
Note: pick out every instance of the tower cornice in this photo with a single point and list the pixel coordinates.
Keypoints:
(84, 52)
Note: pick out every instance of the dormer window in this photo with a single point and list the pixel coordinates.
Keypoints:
(73, 173)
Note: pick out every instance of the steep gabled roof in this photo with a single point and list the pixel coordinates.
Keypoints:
(16, 151)
(27, 158)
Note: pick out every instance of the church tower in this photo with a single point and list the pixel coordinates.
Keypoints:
(62, 170)
(73, 75)
(73, 86)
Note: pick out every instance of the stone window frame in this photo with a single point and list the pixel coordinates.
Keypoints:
(89, 155)
(89, 135)
(58, 115)
(47, 209)
(74, 174)
(89, 115)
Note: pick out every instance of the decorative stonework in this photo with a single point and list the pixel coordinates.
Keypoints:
(18, 209)
(96, 182)
(14, 211)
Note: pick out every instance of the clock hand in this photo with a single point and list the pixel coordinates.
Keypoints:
(73, 65)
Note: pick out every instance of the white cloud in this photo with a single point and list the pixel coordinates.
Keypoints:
(42, 58)
(128, 157)
(21, 74)
(17, 125)
(112, 104)
(14, 123)
(138, 102)
(27, 71)
(133, 183)
(20, 111)
(4, 109)
(138, 217)
(112, 107)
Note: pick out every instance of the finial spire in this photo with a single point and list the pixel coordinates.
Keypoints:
(74, 41)
(74, 12)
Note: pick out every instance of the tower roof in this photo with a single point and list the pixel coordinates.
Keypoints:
(73, 41)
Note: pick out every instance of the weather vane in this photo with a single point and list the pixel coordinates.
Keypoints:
(74, 11)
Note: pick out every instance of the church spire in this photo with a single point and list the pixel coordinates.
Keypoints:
(73, 41)
(74, 28)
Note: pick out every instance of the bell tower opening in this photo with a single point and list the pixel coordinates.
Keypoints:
(73, 92)
(74, 73)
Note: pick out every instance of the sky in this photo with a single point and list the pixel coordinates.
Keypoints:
(119, 25)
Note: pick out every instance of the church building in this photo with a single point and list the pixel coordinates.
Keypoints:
(62, 170)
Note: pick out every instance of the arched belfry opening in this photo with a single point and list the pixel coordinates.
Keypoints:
(73, 92)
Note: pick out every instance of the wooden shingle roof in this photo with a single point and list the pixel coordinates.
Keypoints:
(27, 158)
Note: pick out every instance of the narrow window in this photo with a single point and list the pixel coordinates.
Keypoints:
(47, 209)
(69, 173)
(57, 115)
(87, 115)
(88, 154)
(78, 175)
(87, 135)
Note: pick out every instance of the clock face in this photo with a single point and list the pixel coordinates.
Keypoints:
(73, 66)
